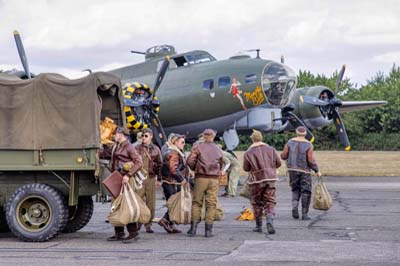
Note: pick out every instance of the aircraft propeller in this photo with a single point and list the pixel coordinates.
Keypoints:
(295, 121)
(150, 104)
(22, 55)
(330, 106)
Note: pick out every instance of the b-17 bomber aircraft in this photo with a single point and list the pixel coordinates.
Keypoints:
(231, 96)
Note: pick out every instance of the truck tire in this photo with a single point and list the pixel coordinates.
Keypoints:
(36, 212)
(80, 215)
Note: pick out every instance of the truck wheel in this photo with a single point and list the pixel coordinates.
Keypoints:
(80, 215)
(36, 212)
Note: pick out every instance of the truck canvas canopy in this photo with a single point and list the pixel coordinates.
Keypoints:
(52, 112)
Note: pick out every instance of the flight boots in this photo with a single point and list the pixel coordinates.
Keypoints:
(270, 225)
(305, 205)
(193, 229)
(165, 224)
(119, 234)
(208, 232)
(133, 235)
(258, 227)
(174, 229)
(295, 204)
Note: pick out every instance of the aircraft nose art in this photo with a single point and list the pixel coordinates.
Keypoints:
(278, 82)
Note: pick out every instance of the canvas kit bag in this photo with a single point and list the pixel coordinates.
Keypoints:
(322, 199)
(127, 208)
(180, 207)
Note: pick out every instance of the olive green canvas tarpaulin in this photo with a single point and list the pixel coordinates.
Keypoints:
(53, 112)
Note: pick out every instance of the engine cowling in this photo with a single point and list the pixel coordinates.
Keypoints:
(312, 116)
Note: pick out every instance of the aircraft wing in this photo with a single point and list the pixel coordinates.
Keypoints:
(351, 106)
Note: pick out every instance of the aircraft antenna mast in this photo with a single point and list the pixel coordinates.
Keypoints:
(255, 50)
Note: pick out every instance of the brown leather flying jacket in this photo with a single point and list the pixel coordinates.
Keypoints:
(125, 158)
(206, 160)
(261, 161)
(151, 154)
(299, 155)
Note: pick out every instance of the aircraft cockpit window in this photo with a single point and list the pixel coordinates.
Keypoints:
(278, 82)
(180, 61)
(208, 84)
(252, 78)
(224, 82)
(198, 58)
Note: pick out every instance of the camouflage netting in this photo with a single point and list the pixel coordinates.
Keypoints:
(53, 112)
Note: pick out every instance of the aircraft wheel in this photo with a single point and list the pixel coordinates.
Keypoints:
(36, 212)
(80, 215)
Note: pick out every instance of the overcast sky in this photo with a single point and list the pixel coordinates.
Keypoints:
(320, 36)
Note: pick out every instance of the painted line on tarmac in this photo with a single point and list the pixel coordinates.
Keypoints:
(66, 250)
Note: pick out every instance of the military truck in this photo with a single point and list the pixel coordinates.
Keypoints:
(49, 145)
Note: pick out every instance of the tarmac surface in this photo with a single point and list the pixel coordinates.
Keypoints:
(362, 228)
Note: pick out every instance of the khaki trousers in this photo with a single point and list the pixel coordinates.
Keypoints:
(208, 188)
(234, 176)
(148, 194)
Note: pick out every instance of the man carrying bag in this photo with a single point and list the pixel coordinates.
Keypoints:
(174, 174)
(300, 162)
(152, 163)
(126, 160)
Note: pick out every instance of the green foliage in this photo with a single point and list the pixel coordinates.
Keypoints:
(385, 119)
(307, 79)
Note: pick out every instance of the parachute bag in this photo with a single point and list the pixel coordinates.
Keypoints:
(127, 208)
(322, 199)
(180, 207)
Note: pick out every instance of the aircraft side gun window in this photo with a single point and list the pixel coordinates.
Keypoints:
(224, 82)
(252, 78)
(180, 61)
(208, 84)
